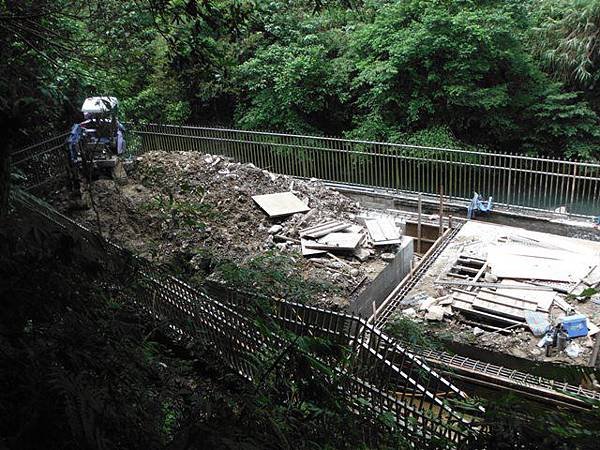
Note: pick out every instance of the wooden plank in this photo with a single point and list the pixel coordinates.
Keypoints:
(383, 231)
(280, 204)
(338, 241)
(310, 251)
(505, 301)
(509, 295)
(543, 298)
(463, 297)
(324, 228)
(494, 308)
(466, 308)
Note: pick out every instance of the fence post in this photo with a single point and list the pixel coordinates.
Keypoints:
(573, 188)
(508, 192)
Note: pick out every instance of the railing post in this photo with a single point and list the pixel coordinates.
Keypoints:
(509, 191)
(573, 182)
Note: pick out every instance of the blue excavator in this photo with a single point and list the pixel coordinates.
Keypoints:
(95, 146)
(99, 139)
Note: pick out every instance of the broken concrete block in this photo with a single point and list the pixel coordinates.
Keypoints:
(427, 303)
(409, 312)
(275, 229)
(435, 312)
(362, 254)
(478, 331)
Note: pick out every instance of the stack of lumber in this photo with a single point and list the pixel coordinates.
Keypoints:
(505, 306)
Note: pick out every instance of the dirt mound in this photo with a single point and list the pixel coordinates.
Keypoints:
(197, 210)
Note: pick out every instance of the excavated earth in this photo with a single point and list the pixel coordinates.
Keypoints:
(195, 209)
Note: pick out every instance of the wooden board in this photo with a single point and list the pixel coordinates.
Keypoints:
(324, 228)
(383, 231)
(501, 310)
(310, 251)
(543, 298)
(280, 204)
(466, 308)
(338, 241)
(506, 301)
(505, 264)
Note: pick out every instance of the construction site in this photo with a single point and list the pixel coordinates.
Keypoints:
(319, 223)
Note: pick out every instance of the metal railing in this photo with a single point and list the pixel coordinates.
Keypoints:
(43, 161)
(513, 180)
(518, 181)
(382, 376)
(376, 374)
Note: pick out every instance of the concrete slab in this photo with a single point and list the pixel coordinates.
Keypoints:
(338, 241)
(310, 251)
(280, 204)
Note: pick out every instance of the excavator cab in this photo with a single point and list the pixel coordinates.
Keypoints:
(98, 140)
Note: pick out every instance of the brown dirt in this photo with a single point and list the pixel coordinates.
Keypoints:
(186, 205)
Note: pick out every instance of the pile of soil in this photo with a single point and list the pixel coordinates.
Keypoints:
(197, 209)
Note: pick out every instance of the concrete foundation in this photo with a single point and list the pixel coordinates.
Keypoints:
(372, 297)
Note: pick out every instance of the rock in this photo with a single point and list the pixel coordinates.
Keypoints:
(208, 159)
(354, 272)
(387, 256)
(573, 350)
(427, 303)
(435, 312)
(362, 254)
(478, 331)
(414, 300)
(409, 312)
(281, 246)
(275, 229)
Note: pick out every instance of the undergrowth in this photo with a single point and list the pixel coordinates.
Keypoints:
(273, 274)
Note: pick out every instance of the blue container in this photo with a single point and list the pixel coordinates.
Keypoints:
(575, 326)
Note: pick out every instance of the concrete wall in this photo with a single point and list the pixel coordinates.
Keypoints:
(386, 281)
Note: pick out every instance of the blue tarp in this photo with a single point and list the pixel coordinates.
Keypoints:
(478, 205)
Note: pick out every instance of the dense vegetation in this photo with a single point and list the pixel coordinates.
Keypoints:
(503, 74)
(84, 367)
(507, 75)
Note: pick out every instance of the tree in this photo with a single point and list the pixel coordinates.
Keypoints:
(459, 64)
(567, 39)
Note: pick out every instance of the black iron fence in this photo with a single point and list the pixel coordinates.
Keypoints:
(376, 374)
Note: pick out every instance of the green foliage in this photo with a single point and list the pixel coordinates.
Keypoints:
(462, 65)
(458, 73)
(408, 330)
(565, 39)
(272, 274)
(516, 423)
